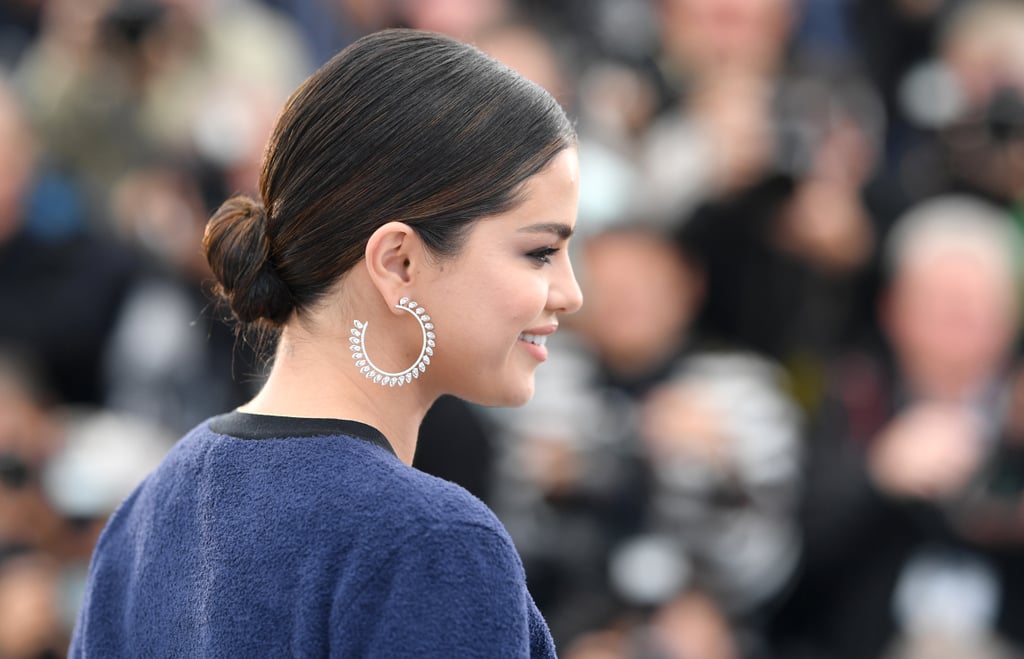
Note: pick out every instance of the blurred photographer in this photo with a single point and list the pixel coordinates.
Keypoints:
(967, 104)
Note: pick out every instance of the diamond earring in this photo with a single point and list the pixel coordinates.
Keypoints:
(379, 375)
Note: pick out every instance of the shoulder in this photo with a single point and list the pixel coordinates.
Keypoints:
(338, 472)
(426, 502)
(443, 579)
(452, 590)
(435, 527)
(357, 485)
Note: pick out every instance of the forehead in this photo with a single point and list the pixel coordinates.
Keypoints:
(955, 265)
(547, 199)
(559, 177)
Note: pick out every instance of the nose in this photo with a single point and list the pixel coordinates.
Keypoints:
(565, 295)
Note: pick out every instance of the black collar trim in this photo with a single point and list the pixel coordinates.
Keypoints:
(264, 426)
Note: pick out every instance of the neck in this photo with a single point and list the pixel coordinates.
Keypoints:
(950, 384)
(316, 379)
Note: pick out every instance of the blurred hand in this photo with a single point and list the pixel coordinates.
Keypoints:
(694, 626)
(735, 114)
(927, 452)
(604, 644)
(28, 598)
(679, 422)
(552, 464)
(827, 224)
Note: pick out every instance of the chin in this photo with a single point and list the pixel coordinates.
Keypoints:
(521, 398)
(509, 396)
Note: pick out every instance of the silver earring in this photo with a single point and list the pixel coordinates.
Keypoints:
(379, 375)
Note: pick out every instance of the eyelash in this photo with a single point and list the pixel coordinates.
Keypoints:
(543, 255)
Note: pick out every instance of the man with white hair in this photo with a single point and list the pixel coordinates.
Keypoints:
(910, 451)
(951, 312)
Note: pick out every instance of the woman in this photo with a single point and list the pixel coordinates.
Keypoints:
(417, 198)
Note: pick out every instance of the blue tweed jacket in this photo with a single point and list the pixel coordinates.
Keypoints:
(267, 536)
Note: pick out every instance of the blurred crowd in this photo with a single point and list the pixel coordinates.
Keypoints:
(788, 423)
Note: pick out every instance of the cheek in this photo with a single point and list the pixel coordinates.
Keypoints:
(487, 303)
(487, 325)
(509, 292)
(499, 321)
(522, 302)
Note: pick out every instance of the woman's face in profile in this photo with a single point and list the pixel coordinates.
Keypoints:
(497, 302)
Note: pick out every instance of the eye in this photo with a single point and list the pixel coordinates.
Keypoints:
(543, 255)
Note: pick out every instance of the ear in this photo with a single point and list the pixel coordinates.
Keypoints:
(392, 255)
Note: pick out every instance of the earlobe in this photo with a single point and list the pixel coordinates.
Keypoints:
(390, 257)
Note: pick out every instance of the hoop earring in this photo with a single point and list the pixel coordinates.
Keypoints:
(379, 375)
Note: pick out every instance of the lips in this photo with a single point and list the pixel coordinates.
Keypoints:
(535, 339)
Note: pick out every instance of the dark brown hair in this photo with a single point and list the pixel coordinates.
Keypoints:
(401, 125)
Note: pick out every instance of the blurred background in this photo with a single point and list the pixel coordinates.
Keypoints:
(789, 422)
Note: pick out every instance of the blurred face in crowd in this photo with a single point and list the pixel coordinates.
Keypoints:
(952, 316)
(737, 35)
(462, 19)
(30, 626)
(984, 50)
(528, 52)
(641, 298)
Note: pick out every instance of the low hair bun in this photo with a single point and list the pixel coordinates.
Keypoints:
(238, 249)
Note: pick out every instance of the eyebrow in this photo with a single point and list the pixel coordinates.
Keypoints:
(563, 231)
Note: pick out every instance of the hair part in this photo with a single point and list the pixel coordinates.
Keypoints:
(402, 125)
